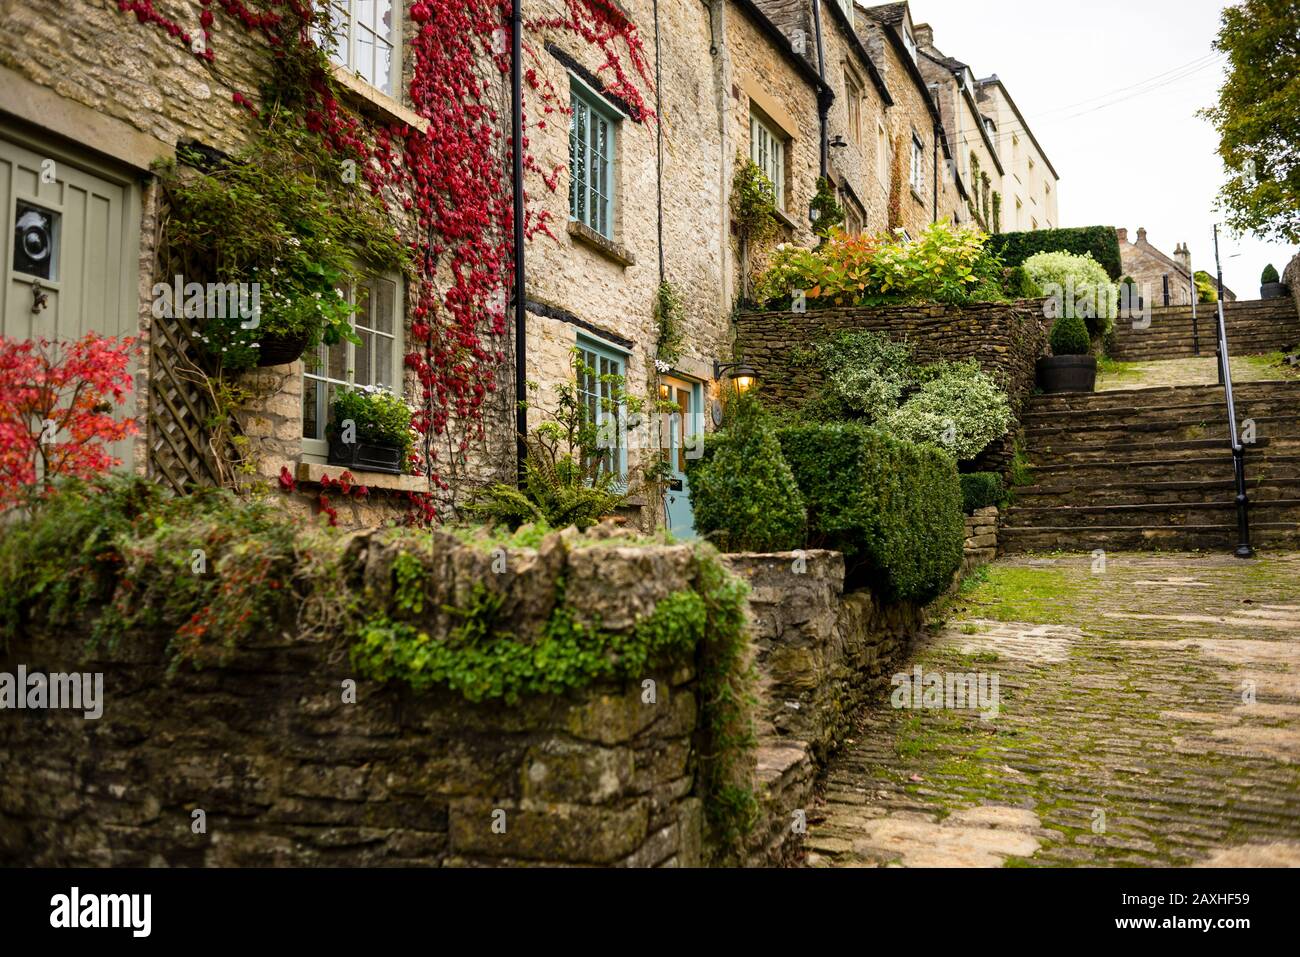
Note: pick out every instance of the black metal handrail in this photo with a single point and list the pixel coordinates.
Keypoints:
(1243, 549)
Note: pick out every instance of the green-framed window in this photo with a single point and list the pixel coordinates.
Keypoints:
(604, 369)
(593, 144)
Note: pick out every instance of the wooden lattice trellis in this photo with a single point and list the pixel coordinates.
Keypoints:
(180, 402)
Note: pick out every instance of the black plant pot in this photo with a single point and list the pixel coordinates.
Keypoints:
(1272, 290)
(280, 350)
(1067, 373)
(367, 456)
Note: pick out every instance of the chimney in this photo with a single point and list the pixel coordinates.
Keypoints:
(1184, 257)
(1142, 234)
(1122, 234)
(924, 34)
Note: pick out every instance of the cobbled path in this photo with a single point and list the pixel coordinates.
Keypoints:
(1148, 714)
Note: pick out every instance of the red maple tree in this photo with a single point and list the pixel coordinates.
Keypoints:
(56, 417)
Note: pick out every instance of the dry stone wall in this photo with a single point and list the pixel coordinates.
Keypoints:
(1005, 338)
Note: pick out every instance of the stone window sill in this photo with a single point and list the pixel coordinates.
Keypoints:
(313, 472)
(611, 250)
(378, 102)
(917, 196)
(785, 218)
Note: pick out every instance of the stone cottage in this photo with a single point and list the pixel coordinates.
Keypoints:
(94, 93)
(1160, 274)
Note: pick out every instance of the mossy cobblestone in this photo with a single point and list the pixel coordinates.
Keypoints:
(1126, 735)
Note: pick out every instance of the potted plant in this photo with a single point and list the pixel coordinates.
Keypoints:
(1071, 367)
(369, 430)
(1270, 284)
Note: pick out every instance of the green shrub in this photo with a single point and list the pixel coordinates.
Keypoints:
(1077, 284)
(742, 491)
(1019, 286)
(1269, 275)
(944, 264)
(1100, 241)
(980, 490)
(958, 409)
(379, 416)
(866, 374)
(893, 508)
(1070, 337)
(1207, 290)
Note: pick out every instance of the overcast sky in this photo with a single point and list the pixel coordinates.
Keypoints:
(1111, 89)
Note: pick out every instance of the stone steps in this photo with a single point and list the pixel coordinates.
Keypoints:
(1253, 327)
(1151, 468)
(1217, 538)
(1109, 471)
(1159, 492)
(1125, 515)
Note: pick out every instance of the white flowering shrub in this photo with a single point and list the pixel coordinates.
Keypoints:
(1076, 285)
(958, 408)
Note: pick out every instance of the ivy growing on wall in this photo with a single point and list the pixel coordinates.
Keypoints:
(446, 188)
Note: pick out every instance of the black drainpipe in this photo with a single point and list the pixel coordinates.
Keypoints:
(521, 337)
(824, 95)
(659, 146)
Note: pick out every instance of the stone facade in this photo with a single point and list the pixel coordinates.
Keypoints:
(125, 90)
(1150, 268)
(976, 165)
(1006, 339)
(1029, 184)
(1291, 278)
(914, 117)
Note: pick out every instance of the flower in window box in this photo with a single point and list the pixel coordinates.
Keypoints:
(379, 438)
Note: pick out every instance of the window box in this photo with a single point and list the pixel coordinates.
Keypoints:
(369, 456)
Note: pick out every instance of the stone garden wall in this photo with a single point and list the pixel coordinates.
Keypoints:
(288, 770)
(1005, 338)
(981, 538)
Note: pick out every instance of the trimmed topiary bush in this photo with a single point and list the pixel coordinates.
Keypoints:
(1100, 241)
(893, 508)
(1269, 275)
(743, 493)
(980, 490)
(1070, 337)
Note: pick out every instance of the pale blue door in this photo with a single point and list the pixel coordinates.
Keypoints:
(684, 428)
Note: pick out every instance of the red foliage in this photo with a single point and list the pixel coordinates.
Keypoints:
(55, 417)
(457, 177)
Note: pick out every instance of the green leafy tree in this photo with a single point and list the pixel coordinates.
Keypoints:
(1258, 118)
(744, 495)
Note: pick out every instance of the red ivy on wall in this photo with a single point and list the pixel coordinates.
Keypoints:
(454, 177)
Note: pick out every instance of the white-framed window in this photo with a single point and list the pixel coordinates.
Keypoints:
(853, 94)
(909, 40)
(598, 392)
(367, 40)
(376, 362)
(593, 142)
(767, 149)
(917, 176)
(882, 154)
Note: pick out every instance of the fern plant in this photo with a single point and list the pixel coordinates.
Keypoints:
(570, 476)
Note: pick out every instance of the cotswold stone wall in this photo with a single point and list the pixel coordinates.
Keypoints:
(287, 769)
(822, 653)
(981, 545)
(1291, 276)
(1006, 338)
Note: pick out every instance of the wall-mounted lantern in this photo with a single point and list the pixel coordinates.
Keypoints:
(741, 374)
